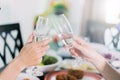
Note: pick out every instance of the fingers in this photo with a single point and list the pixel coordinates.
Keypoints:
(39, 52)
(44, 43)
(37, 61)
(45, 48)
(61, 36)
(77, 46)
(73, 52)
(39, 46)
(78, 40)
(31, 38)
(66, 36)
(42, 49)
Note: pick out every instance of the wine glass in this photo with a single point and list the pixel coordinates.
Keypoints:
(41, 33)
(64, 29)
(42, 29)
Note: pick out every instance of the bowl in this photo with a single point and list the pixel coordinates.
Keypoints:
(24, 76)
(50, 67)
(38, 70)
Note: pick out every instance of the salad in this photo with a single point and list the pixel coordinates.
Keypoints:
(47, 60)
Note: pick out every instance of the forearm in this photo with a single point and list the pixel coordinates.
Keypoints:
(12, 70)
(105, 69)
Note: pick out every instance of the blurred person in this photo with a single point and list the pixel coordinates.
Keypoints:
(83, 49)
(30, 55)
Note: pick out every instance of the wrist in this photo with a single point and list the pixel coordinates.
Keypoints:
(98, 61)
(19, 64)
(15, 67)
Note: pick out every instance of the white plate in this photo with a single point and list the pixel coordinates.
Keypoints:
(87, 75)
(23, 76)
(84, 78)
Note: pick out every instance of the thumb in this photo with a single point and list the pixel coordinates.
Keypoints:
(31, 38)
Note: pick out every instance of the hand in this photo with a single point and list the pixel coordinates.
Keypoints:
(31, 54)
(83, 49)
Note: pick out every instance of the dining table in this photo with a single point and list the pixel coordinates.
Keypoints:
(59, 69)
(111, 55)
(89, 75)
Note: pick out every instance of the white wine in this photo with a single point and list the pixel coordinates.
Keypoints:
(65, 40)
(40, 38)
(42, 29)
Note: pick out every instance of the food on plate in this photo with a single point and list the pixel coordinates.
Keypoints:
(71, 75)
(65, 77)
(85, 66)
(48, 60)
(26, 79)
(76, 73)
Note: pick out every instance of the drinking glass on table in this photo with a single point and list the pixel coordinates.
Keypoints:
(65, 33)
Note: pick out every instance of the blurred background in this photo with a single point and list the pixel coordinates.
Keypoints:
(94, 20)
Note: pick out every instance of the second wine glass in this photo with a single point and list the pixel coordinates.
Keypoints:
(64, 29)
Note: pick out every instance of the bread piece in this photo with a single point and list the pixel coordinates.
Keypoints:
(65, 77)
(76, 73)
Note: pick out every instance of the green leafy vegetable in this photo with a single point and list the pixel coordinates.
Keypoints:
(48, 60)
